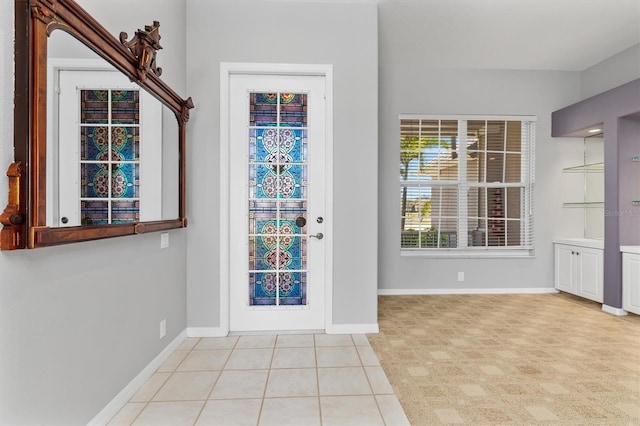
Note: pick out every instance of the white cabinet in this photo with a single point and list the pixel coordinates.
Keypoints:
(578, 270)
(631, 282)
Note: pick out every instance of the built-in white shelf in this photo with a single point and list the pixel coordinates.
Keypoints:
(585, 168)
(585, 204)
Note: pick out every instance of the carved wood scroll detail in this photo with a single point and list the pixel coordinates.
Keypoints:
(144, 45)
(186, 106)
(12, 218)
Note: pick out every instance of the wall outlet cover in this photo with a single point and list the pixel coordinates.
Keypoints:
(163, 328)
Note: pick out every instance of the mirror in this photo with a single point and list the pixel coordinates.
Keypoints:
(99, 138)
(112, 147)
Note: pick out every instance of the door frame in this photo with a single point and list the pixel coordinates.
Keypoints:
(227, 69)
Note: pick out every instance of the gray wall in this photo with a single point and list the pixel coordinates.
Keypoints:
(423, 86)
(344, 35)
(612, 72)
(79, 322)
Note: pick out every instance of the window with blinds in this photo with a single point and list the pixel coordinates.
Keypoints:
(466, 184)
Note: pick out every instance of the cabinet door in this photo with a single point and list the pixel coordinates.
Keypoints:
(631, 282)
(565, 273)
(590, 276)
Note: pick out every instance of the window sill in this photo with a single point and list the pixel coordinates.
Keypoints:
(469, 254)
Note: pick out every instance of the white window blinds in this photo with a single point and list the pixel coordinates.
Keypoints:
(466, 183)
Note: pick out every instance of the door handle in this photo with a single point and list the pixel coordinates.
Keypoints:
(319, 236)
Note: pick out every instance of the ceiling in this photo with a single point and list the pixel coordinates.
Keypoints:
(569, 35)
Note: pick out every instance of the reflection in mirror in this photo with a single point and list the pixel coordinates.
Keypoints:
(95, 155)
(112, 148)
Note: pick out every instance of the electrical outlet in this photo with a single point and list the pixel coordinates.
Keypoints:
(164, 240)
(163, 328)
(460, 276)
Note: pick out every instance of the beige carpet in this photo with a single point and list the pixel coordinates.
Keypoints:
(550, 359)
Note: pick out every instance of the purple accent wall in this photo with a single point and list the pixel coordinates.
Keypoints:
(618, 110)
(629, 184)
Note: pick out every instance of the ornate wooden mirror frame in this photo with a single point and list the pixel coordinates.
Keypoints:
(24, 218)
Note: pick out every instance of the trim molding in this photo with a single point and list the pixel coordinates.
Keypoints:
(433, 291)
(113, 407)
(353, 328)
(614, 311)
(207, 332)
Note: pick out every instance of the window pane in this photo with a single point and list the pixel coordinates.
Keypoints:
(513, 171)
(514, 136)
(495, 135)
(293, 109)
(495, 167)
(94, 106)
(477, 236)
(125, 211)
(411, 145)
(476, 132)
(94, 143)
(125, 106)
(94, 180)
(443, 215)
(94, 212)
(514, 233)
(514, 203)
(263, 109)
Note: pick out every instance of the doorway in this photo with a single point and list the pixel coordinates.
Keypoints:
(279, 223)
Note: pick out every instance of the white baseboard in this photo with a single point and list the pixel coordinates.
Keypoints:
(614, 311)
(434, 291)
(334, 329)
(353, 329)
(206, 332)
(113, 407)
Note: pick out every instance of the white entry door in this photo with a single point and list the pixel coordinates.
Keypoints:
(109, 145)
(277, 202)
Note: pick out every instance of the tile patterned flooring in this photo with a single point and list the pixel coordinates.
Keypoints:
(287, 379)
(510, 359)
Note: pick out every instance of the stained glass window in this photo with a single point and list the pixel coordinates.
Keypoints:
(109, 156)
(277, 137)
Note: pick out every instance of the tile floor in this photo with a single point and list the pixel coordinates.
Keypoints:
(287, 379)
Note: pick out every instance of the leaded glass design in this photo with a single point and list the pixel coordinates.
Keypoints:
(109, 156)
(277, 178)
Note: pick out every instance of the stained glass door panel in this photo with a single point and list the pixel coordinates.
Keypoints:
(277, 180)
(109, 156)
(277, 185)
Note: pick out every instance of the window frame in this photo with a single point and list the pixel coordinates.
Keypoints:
(527, 183)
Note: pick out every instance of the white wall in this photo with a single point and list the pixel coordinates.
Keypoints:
(78, 322)
(425, 86)
(344, 35)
